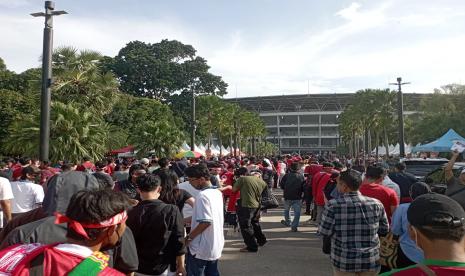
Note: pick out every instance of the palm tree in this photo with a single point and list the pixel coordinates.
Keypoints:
(80, 80)
(74, 134)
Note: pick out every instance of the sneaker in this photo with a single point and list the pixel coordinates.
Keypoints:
(294, 229)
(246, 250)
(262, 243)
(285, 223)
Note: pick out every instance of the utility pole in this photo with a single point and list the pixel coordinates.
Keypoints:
(193, 126)
(45, 97)
(400, 115)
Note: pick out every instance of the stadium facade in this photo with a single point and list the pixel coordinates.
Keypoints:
(305, 123)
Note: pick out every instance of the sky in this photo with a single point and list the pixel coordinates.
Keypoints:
(265, 47)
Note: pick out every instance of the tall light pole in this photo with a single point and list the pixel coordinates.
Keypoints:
(45, 97)
(400, 115)
(193, 125)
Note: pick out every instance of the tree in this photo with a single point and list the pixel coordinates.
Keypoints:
(13, 105)
(163, 69)
(148, 124)
(74, 134)
(371, 112)
(80, 80)
(438, 113)
(159, 137)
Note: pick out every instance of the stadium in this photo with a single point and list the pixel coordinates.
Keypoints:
(307, 123)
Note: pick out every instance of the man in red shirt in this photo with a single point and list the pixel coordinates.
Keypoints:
(86, 165)
(18, 168)
(319, 182)
(309, 172)
(372, 187)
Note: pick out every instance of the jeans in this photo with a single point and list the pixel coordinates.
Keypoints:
(296, 206)
(250, 227)
(198, 267)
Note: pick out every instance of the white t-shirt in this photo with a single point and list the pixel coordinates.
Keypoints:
(26, 196)
(5, 194)
(186, 186)
(208, 207)
(282, 167)
(5, 189)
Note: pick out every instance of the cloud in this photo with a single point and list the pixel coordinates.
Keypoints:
(356, 46)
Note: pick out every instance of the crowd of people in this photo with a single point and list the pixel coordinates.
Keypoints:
(161, 216)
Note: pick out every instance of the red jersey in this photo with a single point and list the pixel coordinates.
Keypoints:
(387, 196)
(319, 182)
(440, 268)
(86, 166)
(228, 180)
(17, 171)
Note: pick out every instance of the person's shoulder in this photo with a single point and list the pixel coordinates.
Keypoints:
(370, 200)
(409, 270)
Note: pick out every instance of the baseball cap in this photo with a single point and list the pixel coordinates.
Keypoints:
(145, 161)
(435, 210)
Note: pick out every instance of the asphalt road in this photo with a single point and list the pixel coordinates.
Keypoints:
(286, 253)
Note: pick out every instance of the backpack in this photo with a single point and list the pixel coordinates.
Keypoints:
(61, 187)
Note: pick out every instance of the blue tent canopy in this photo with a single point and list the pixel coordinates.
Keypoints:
(442, 144)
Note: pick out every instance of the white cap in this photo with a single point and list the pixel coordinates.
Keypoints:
(145, 161)
(463, 171)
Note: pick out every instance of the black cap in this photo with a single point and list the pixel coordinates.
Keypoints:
(435, 210)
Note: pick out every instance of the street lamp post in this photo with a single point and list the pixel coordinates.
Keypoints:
(193, 125)
(45, 98)
(400, 115)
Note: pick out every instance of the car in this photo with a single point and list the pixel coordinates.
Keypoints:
(437, 177)
(420, 167)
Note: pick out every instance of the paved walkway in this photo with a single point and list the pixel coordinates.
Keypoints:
(286, 253)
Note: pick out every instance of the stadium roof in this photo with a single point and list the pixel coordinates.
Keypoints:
(310, 102)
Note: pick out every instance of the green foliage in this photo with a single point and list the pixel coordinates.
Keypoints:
(149, 124)
(73, 134)
(372, 110)
(162, 69)
(78, 79)
(438, 113)
(266, 149)
(13, 105)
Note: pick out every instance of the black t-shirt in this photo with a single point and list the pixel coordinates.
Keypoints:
(456, 190)
(182, 198)
(404, 180)
(159, 233)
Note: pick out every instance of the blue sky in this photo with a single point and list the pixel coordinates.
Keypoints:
(265, 47)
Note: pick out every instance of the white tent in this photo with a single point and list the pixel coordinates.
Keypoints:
(185, 146)
(393, 150)
(199, 150)
(224, 151)
(215, 150)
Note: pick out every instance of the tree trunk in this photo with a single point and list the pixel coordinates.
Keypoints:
(364, 136)
(220, 142)
(253, 146)
(377, 144)
(370, 148)
(386, 142)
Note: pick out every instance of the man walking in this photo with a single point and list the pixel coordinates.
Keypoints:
(158, 230)
(405, 180)
(248, 209)
(351, 224)
(293, 187)
(26, 194)
(374, 188)
(205, 241)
